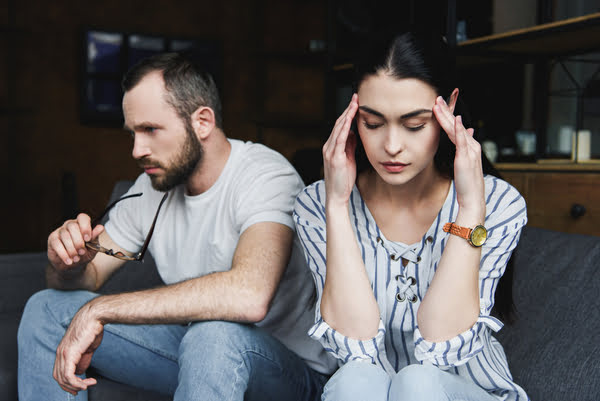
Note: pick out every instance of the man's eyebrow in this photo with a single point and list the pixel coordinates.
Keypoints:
(415, 113)
(141, 125)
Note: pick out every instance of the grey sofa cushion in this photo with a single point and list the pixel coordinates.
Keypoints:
(554, 348)
(21, 276)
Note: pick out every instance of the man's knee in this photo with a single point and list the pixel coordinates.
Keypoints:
(213, 336)
(35, 313)
(358, 381)
(49, 307)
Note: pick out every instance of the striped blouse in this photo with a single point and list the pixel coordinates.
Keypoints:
(399, 289)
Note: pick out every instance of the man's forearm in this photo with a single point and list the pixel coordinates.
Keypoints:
(213, 297)
(79, 278)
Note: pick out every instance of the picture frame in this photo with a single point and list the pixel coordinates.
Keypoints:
(106, 55)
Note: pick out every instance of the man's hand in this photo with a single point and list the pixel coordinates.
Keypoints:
(66, 244)
(74, 353)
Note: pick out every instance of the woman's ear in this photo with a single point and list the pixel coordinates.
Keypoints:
(203, 121)
(452, 99)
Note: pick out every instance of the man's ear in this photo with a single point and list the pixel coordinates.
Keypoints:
(203, 121)
(452, 99)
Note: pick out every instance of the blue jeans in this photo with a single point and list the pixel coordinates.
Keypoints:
(362, 381)
(211, 360)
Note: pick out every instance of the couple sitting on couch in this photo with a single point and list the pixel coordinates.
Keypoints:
(405, 245)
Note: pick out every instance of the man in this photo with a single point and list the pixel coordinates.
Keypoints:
(231, 320)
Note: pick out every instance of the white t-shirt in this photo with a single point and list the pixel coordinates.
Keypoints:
(198, 235)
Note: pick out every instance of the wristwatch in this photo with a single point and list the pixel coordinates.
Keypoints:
(475, 236)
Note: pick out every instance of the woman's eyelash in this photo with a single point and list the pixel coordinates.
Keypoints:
(371, 126)
(417, 128)
(375, 126)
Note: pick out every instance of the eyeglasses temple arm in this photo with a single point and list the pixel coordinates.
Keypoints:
(140, 255)
(99, 219)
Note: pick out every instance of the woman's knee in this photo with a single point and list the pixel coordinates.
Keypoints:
(358, 381)
(417, 383)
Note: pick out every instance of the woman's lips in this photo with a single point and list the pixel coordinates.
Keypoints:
(393, 167)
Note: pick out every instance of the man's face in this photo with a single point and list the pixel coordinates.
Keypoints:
(165, 146)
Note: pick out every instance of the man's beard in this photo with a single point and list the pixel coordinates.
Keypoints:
(182, 166)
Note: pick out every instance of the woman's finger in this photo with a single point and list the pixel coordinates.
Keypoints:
(337, 128)
(345, 129)
(337, 140)
(445, 120)
(446, 115)
(460, 135)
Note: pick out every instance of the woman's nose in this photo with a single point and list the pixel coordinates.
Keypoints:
(394, 143)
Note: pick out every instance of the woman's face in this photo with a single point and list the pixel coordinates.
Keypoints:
(397, 127)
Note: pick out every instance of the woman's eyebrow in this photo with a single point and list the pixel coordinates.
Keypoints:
(415, 113)
(370, 111)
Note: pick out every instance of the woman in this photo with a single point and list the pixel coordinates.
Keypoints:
(405, 275)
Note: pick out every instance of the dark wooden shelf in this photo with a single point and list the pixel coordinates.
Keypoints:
(294, 123)
(297, 57)
(561, 38)
(7, 111)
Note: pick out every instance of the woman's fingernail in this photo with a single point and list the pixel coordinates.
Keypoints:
(76, 259)
(86, 238)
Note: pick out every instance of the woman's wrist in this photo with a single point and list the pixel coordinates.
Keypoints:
(471, 213)
(470, 217)
(336, 206)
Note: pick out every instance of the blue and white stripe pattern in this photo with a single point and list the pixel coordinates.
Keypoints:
(399, 289)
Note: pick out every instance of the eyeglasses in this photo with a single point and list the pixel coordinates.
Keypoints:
(95, 245)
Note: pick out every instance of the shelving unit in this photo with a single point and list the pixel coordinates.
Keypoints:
(556, 42)
(290, 80)
(560, 38)
(561, 195)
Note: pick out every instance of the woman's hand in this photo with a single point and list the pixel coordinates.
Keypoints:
(468, 170)
(339, 164)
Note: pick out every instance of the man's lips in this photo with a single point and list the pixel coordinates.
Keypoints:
(150, 169)
(394, 167)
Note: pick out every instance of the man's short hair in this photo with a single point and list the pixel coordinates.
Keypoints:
(188, 85)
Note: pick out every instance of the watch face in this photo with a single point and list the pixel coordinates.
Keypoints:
(478, 236)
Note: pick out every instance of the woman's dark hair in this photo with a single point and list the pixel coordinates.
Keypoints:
(428, 58)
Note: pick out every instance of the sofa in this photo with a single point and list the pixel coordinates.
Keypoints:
(553, 347)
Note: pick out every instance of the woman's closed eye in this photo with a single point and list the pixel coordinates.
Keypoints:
(369, 125)
(415, 127)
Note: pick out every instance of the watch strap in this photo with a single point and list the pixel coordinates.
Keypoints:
(463, 232)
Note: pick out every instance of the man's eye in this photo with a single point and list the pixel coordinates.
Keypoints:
(416, 128)
(149, 129)
(372, 126)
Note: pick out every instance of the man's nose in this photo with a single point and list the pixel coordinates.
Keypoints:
(140, 148)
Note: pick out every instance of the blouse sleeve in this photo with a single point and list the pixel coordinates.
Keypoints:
(309, 217)
(506, 214)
